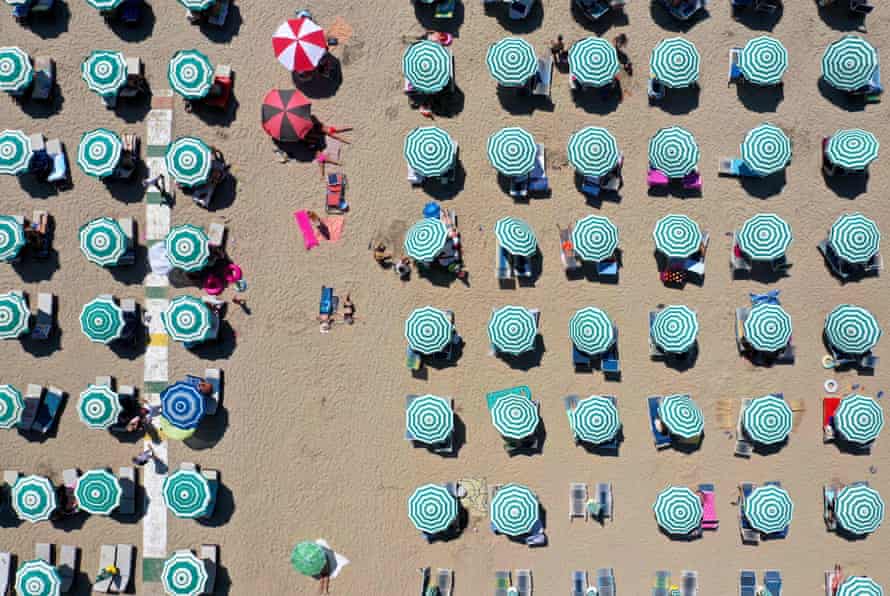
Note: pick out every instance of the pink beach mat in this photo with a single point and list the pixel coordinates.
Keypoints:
(309, 239)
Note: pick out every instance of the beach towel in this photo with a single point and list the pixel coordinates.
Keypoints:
(310, 241)
(336, 561)
(334, 226)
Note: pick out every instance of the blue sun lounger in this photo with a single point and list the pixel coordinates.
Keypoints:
(772, 579)
(662, 440)
(605, 581)
(747, 583)
(48, 413)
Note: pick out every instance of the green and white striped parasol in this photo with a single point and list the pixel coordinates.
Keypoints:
(11, 406)
(189, 161)
(591, 330)
(513, 330)
(515, 416)
(429, 419)
(197, 5)
(511, 61)
(595, 238)
(184, 574)
(99, 152)
(432, 509)
(595, 420)
(764, 237)
(516, 236)
(188, 247)
(675, 329)
(514, 510)
(16, 72)
(427, 66)
(855, 238)
(190, 74)
(33, 498)
(104, 5)
(681, 415)
(673, 150)
(428, 330)
(849, 63)
(426, 239)
(593, 61)
(98, 492)
(852, 149)
(857, 585)
(103, 241)
(15, 152)
(512, 151)
(768, 328)
(859, 509)
(14, 315)
(430, 151)
(37, 578)
(859, 419)
(104, 71)
(677, 236)
(767, 420)
(764, 60)
(769, 509)
(187, 494)
(188, 319)
(593, 151)
(12, 238)
(675, 62)
(102, 320)
(852, 329)
(98, 407)
(678, 510)
(766, 149)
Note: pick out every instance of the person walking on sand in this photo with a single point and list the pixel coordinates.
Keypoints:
(558, 50)
(143, 458)
(403, 268)
(348, 311)
(382, 256)
(158, 181)
(321, 159)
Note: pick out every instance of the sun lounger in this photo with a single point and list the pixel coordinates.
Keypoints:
(44, 552)
(579, 583)
(210, 557)
(829, 407)
(124, 561)
(128, 225)
(502, 583)
(48, 413)
(69, 478)
(593, 9)
(582, 361)
(747, 583)
(692, 181)
(127, 480)
(662, 440)
(570, 260)
(519, 9)
(590, 186)
(829, 494)
(217, 14)
(604, 498)
(44, 321)
(203, 195)
(689, 583)
(772, 580)
(861, 7)
(5, 572)
(577, 500)
(221, 90)
(130, 11)
(749, 534)
(709, 508)
(741, 315)
(655, 90)
(605, 581)
(543, 77)
(737, 261)
(662, 584)
(523, 582)
(107, 556)
(59, 174)
(503, 265)
(334, 201)
(44, 78)
(68, 566)
(212, 477)
(519, 187)
(607, 268)
(735, 71)
(445, 581)
(656, 178)
(445, 9)
(214, 377)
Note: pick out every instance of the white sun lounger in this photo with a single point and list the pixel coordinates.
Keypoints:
(127, 480)
(214, 377)
(124, 561)
(577, 500)
(444, 581)
(44, 552)
(106, 558)
(68, 566)
(5, 572)
(210, 557)
(524, 582)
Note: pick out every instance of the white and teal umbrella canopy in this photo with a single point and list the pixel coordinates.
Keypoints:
(11, 406)
(859, 509)
(104, 5)
(188, 319)
(852, 329)
(188, 247)
(428, 330)
(859, 419)
(512, 151)
(514, 510)
(99, 152)
(430, 151)
(681, 415)
(513, 330)
(15, 152)
(12, 238)
(187, 494)
(102, 320)
(511, 61)
(769, 509)
(595, 420)
(103, 241)
(768, 328)
(16, 72)
(591, 330)
(855, 238)
(857, 585)
(516, 236)
(432, 509)
(515, 416)
(675, 62)
(765, 237)
(98, 492)
(674, 151)
(678, 510)
(184, 574)
(427, 66)
(852, 149)
(33, 498)
(98, 407)
(104, 71)
(190, 74)
(675, 329)
(848, 63)
(677, 236)
(593, 61)
(37, 578)
(764, 60)
(593, 151)
(189, 161)
(766, 149)
(426, 239)
(595, 238)
(429, 419)
(197, 5)
(767, 420)
(14, 315)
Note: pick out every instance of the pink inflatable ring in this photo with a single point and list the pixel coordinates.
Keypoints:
(213, 285)
(233, 273)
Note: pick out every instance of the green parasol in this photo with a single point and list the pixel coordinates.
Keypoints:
(189, 161)
(308, 558)
(103, 241)
(188, 247)
(514, 510)
(678, 510)
(104, 71)
(852, 329)
(677, 236)
(513, 330)
(593, 61)
(675, 329)
(15, 152)
(428, 330)
(429, 419)
(764, 237)
(673, 151)
(516, 237)
(764, 60)
(187, 494)
(515, 416)
(512, 151)
(427, 66)
(769, 509)
(37, 578)
(16, 72)
(184, 574)
(102, 320)
(767, 420)
(859, 419)
(766, 149)
(99, 407)
(14, 315)
(432, 509)
(681, 415)
(98, 492)
(849, 63)
(426, 239)
(188, 319)
(675, 62)
(99, 152)
(855, 238)
(430, 151)
(512, 61)
(768, 328)
(12, 238)
(852, 149)
(593, 151)
(190, 74)
(591, 330)
(595, 420)
(595, 238)
(33, 498)
(859, 509)
(11, 406)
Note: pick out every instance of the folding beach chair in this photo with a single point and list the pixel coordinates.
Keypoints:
(579, 583)
(747, 583)
(445, 581)
(336, 186)
(523, 582)
(210, 558)
(502, 583)
(662, 584)
(577, 500)
(662, 439)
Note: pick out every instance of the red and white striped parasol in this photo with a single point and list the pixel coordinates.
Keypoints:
(300, 44)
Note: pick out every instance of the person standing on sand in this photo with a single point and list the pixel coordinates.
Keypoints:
(144, 457)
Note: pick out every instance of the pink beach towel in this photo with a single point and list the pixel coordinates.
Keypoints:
(709, 511)
(334, 225)
(309, 239)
